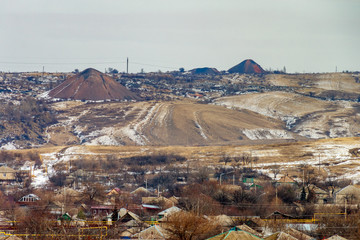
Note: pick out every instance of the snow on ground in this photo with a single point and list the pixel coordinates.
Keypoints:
(8, 146)
(104, 140)
(202, 133)
(310, 132)
(231, 103)
(132, 135)
(290, 121)
(353, 174)
(331, 154)
(40, 178)
(266, 133)
(340, 128)
(162, 115)
(331, 151)
(133, 131)
(113, 136)
(44, 95)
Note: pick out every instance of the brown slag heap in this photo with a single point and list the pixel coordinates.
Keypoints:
(93, 85)
(247, 66)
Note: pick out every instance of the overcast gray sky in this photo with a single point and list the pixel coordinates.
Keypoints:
(303, 35)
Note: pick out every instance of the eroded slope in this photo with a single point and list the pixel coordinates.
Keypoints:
(161, 123)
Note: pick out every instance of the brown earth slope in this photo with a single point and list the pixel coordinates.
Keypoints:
(247, 66)
(162, 123)
(91, 84)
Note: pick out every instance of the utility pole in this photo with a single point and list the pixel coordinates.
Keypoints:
(127, 65)
(303, 177)
(345, 207)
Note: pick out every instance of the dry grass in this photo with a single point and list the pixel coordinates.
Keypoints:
(334, 155)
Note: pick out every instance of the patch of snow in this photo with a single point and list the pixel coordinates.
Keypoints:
(340, 128)
(202, 133)
(290, 121)
(44, 95)
(161, 116)
(263, 133)
(310, 132)
(231, 103)
(353, 174)
(40, 178)
(103, 140)
(132, 135)
(9, 146)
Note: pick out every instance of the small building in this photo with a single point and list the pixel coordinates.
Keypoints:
(278, 215)
(247, 181)
(336, 237)
(235, 233)
(322, 196)
(168, 211)
(114, 192)
(101, 210)
(280, 236)
(29, 198)
(7, 175)
(285, 180)
(65, 217)
(349, 194)
(153, 232)
(297, 234)
(248, 229)
(141, 191)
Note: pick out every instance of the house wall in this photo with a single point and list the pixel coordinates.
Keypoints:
(350, 193)
(7, 174)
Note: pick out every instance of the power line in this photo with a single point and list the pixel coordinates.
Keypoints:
(152, 65)
(82, 63)
(56, 63)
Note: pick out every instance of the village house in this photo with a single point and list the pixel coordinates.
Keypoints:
(321, 196)
(101, 210)
(280, 236)
(154, 232)
(235, 233)
(286, 180)
(349, 194)
(7, 175)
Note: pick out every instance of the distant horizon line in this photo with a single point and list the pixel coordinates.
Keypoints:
(159, 71)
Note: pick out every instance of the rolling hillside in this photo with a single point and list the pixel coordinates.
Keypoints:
(203, 110)
(161, 123)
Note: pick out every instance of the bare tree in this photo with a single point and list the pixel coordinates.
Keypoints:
(93, 192)
(275, 169)
(225, 159)
(189, 226)
(309, 179)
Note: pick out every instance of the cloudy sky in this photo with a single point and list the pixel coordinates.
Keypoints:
(302, 35)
